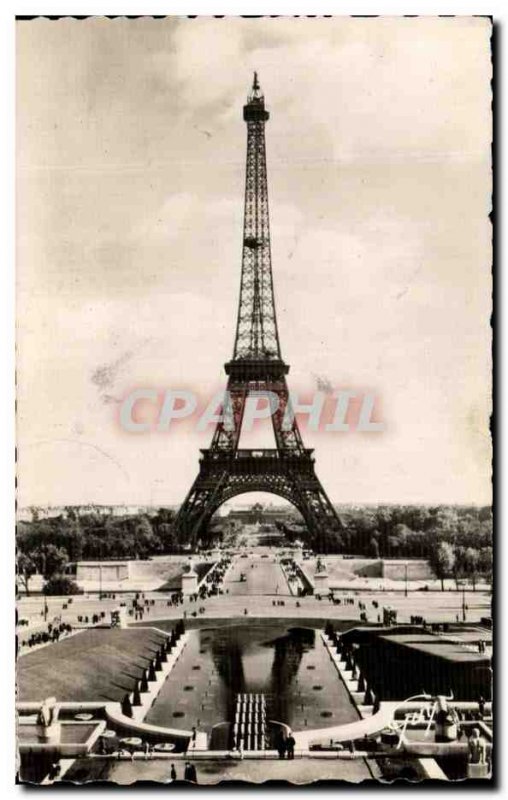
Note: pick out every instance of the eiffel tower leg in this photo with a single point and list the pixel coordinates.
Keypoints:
(224, 476)
(322, 521)
(197, 508)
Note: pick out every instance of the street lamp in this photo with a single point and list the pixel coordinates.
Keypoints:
(405, 579)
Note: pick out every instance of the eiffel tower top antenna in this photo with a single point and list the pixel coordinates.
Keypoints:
(256, 89)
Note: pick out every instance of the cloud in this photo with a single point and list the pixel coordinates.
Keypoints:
(131, 158)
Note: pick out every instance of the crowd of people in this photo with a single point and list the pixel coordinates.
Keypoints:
(53, 633)
(137, 607)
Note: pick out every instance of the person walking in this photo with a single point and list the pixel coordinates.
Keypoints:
(172, 773)
(281, 745)
(290, 746)
(190, 773)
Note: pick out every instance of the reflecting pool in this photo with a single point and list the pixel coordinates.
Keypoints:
(290, 666)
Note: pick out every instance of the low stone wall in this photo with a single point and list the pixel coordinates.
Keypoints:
(105, 571)
(395, 570)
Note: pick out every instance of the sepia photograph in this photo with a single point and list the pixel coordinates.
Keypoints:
(254, 523)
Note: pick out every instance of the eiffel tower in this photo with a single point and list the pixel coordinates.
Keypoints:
(257, 367)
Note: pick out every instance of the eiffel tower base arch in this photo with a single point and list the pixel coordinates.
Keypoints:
(291, 476)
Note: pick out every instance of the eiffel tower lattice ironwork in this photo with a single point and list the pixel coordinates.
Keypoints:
(257, 366)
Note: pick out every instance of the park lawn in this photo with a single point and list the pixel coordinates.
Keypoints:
(98, 664)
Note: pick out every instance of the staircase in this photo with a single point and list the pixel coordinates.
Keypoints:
(249, 727)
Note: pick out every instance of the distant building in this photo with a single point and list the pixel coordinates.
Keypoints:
(26, 514)
(258, 514)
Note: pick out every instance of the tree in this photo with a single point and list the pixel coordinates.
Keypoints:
(35, 513)
(145, 540)
(71, 513)
(485, 514)
(403, 534)
(418, 518)
(486, 562)
(61, 585)
(442, 560)
(418, 544)
(164, 516)
(393, 544)
(361, 527)
(374, 548)
(25, 568)
(74, 543)
(446, 521)
(471, 563)
(329, 541)
(54, 560)
(485, 533)
(168, 538)
(459, 569)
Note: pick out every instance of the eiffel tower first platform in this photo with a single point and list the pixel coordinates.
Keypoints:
(257, 367)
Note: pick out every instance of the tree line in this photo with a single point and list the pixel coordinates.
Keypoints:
(457, 540)
(46, 546)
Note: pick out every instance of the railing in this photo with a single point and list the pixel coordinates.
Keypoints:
(216, 455)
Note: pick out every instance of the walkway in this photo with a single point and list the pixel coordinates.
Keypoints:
(263, 576)
(298, 771)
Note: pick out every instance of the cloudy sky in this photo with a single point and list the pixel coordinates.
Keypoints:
(130, 171)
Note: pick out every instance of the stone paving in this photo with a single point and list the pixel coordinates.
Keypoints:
(262, 576)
